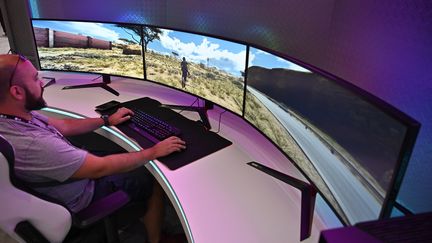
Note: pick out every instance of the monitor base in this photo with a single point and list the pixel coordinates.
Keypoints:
(106, 80)
(202, 111)
(308, 196)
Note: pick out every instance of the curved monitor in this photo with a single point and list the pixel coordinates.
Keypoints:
(351, 148)
(207, 67)
(103, 48)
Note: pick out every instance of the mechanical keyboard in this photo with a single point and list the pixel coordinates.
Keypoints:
(151, 127)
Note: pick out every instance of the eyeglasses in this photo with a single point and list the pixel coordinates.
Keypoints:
(22, 58)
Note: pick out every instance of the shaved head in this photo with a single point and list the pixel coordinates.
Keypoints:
(7, 66)
(7, 61)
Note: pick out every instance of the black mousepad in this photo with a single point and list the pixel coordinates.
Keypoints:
(199, 141)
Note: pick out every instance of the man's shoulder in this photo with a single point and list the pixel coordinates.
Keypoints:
(39, 116)
(18, 133)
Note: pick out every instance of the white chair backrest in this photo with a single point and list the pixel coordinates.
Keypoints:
(52, 220)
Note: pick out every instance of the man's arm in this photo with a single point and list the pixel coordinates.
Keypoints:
(95, 167)
(70, 127)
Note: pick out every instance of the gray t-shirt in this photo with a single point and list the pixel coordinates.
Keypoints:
(42, 154)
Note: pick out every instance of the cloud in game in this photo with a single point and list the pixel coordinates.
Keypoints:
(261, 58)
(296, 67)
(258, 52)
(200, 52)
(292, 66)
(251, 58)
(97, 30)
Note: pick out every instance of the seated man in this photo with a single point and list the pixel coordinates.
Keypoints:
(43, 154)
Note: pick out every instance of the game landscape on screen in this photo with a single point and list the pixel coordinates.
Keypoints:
(214, 68)
(89, 47)
(347, 146)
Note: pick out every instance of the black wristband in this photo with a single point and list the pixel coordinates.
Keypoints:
(105, 118)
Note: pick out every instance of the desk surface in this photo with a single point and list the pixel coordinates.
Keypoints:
(221, 197)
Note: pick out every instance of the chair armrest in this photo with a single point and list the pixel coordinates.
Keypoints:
(100, 209)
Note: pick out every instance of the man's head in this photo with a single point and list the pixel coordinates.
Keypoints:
(20, 83)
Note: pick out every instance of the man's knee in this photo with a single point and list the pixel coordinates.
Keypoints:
(138, 184)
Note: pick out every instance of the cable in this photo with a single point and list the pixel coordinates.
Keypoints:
(96, 78)
(189, 106)
(179, 112)
(220, 116)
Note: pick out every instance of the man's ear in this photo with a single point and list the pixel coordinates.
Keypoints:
(17, 92)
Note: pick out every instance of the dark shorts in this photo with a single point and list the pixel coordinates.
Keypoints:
(138, 184)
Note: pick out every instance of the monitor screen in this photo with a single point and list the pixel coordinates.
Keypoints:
(103, 48)
(347, 146)
(203, 66)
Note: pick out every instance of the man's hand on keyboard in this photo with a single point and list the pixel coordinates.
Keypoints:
(167, 146)
(121, 115)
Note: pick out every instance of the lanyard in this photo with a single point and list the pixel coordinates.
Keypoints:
(48, 127)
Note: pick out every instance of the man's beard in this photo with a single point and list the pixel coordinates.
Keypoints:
(34, 103)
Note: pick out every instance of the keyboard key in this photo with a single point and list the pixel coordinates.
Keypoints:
(152, 127)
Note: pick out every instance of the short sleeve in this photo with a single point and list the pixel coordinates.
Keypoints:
(53, 157)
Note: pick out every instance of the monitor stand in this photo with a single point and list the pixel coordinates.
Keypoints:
(308, 196)
(202, 111)
(106, 80)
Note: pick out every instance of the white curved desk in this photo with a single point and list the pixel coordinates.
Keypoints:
(219, 198)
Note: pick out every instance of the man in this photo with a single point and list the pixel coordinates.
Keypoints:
(185, 72)
(44, 155)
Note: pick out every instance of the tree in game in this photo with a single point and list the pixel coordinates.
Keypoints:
(149, 33)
